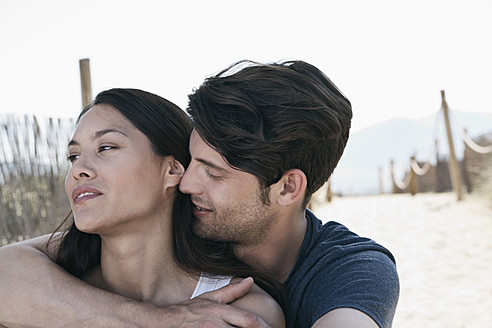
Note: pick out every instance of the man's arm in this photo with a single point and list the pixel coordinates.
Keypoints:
(260, 309)
(345, 317)
(34, 291)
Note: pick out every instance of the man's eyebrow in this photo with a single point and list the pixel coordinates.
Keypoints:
(212, 165)
(98, 134)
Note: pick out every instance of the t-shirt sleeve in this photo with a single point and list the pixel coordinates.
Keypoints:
(366, 281)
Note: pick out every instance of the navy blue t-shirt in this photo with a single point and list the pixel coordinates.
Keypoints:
(336, 268)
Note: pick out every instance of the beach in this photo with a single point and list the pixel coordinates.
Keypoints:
(443, 251)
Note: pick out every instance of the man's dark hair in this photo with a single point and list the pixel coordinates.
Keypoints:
(266, 119)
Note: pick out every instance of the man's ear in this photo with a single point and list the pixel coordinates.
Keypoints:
(175, 171)
(292, 186)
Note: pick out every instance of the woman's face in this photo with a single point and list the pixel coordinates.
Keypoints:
(115, 181)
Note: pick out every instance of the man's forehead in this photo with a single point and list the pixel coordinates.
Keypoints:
(201, 149)
(202, 152)
(198, 143)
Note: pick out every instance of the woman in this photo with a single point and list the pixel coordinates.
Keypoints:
(130, 232)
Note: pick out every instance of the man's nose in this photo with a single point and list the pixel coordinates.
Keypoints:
(190, 183)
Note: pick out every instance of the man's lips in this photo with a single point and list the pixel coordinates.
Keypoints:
(201, 208)
(200, 211)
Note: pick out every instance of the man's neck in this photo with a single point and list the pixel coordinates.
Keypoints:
(278, 253)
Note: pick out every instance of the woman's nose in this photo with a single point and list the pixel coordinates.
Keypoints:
(82, 168)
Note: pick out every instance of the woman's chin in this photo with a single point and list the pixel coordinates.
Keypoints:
(86, 226)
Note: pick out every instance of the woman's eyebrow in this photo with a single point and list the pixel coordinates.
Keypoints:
(99, 134)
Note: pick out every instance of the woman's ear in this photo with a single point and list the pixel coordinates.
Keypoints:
(292, 186)
(174, 173)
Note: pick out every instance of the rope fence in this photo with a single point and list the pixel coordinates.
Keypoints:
(474, 170)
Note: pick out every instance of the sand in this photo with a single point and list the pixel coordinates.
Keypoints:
(443, 250)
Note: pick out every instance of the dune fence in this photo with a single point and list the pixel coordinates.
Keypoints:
(33, 165)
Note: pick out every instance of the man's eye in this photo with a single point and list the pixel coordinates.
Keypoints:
(213, 177)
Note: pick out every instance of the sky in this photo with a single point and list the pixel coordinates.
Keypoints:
(390, 58)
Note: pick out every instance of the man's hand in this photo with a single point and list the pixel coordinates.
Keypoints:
(212, 310)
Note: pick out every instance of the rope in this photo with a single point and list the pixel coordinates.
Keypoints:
(399, 184)
(473, 145)
(433, 149)
(417, 169)
(414, 166)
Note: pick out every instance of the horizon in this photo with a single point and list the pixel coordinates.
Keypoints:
(356, 173)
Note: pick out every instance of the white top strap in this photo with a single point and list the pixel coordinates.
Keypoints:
(208, 283)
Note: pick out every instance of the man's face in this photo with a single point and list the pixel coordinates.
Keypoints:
(226, 202)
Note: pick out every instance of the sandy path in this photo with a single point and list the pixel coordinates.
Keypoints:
(443, 250)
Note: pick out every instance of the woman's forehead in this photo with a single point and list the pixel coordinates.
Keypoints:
(103, 114)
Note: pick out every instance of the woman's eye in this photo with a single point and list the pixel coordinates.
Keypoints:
(72, 158)
(104, 148)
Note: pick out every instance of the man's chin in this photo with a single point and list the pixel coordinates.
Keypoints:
(207, 234)
(199, 230)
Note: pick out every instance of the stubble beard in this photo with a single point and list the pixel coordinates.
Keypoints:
(245, 224)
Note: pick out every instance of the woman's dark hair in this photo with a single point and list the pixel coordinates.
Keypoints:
(266, 119)
(168, 128)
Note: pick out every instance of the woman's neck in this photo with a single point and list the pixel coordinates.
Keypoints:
(139, 264)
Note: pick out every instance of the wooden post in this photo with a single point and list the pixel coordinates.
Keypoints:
(413, 178)
(85, 81)
(329, 195)
(394, 189)
(436, 168)
(381, 183)
(453, 163)
(466, 165)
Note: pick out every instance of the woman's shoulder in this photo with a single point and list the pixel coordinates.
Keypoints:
(260, 302)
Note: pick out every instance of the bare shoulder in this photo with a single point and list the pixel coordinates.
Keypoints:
(39, 244)
(346, 318)
(261, 303)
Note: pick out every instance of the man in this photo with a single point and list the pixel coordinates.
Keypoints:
(266, 138)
